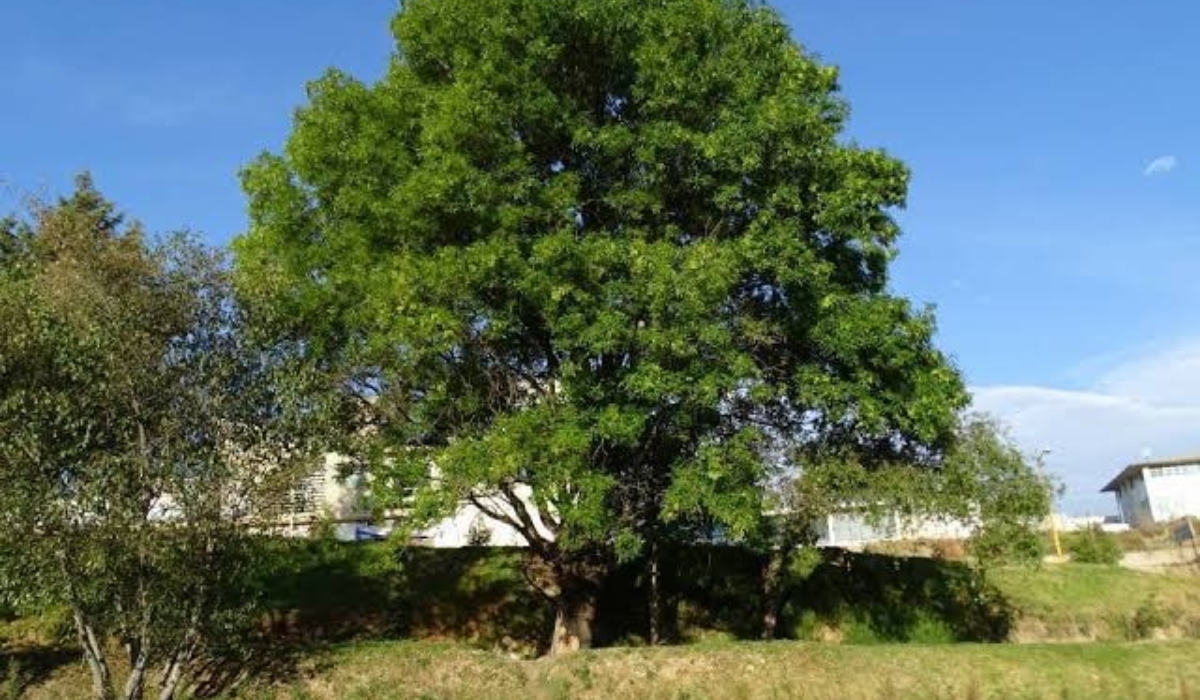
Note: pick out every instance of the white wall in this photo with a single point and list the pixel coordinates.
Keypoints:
(855, 530)
(1174, 492)
(455, 531)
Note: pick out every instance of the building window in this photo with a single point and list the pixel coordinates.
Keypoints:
(1179, 470)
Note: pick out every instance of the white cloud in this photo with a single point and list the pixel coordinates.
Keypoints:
(1151, 401)
(1161, 165)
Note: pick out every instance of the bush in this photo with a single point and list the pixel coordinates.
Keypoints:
(1148, 618)
(48, 627)
(1007, 543)
(1094, 546)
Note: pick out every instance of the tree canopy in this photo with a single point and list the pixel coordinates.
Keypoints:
(135, 423)
(618, 253)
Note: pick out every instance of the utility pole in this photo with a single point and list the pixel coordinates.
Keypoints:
(1041, 466)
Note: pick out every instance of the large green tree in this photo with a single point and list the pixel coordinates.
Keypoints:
(139, 430)
(593, 258)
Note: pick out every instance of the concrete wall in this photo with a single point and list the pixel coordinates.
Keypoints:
(470, 523)
(329, 495)
(1134, 502)
(855, 530)
(1173, 492)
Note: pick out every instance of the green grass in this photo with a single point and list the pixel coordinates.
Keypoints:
(1094, 601)
(741, 670)
(893, 627)
(748, 670)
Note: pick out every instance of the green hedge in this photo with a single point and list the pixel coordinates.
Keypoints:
(316, 589)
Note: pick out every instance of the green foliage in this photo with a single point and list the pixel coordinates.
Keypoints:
(1007, 542)
(323, 529)
(136, 425)
(11, 679)
(1149, 617)
(618, 252)
(986, 480)
(873, 598)
(982, 479)
(987, 476)
(335, 591)
(924, 629)
(1094, 546)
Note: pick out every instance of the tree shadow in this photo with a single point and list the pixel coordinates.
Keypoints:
(901, 599)
(323, 592)
(23, 667)
(852, 597)
(316, 594)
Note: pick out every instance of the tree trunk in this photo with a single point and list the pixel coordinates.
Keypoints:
(172, 675)
(135, 685)
(571, 582)
(772, 592)
(655, 597)
(102, 687)
(574, 613)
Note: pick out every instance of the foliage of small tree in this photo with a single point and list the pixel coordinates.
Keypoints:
(981, 479)
(1094, 546)
(135, 426)
(1003, 493)
(593, 259)
(1008, 542)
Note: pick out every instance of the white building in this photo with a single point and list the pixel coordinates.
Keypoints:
(1157, 492)
(852, 530)
(328, 497)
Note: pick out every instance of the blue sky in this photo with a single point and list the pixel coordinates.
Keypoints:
(1051, 218)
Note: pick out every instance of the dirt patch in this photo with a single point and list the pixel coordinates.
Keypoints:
(1177, 560)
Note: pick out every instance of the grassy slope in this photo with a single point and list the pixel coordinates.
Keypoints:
(1070, 601)
(747, 670)
(753, 670)
(1089, 601)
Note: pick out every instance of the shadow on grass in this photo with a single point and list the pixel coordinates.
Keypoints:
(319, 592)
(900, 599)
(324, 592)
(847, 596)
(24, 667)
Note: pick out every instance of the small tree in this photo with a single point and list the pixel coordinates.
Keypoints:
(1095, 546)
(989, 482)
(982, 479)
(138, 430)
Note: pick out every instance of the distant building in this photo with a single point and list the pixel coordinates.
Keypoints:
(854, 530)
(326, 496)
(342, 502)
(1157, 491)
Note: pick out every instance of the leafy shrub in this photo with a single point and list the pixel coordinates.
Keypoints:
(1149, 617)
(46, 627)
(1007, 543)
(1094, 546)
(862, 598)
(11, 678)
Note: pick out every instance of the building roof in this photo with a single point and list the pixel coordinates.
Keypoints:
(1136, 468)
